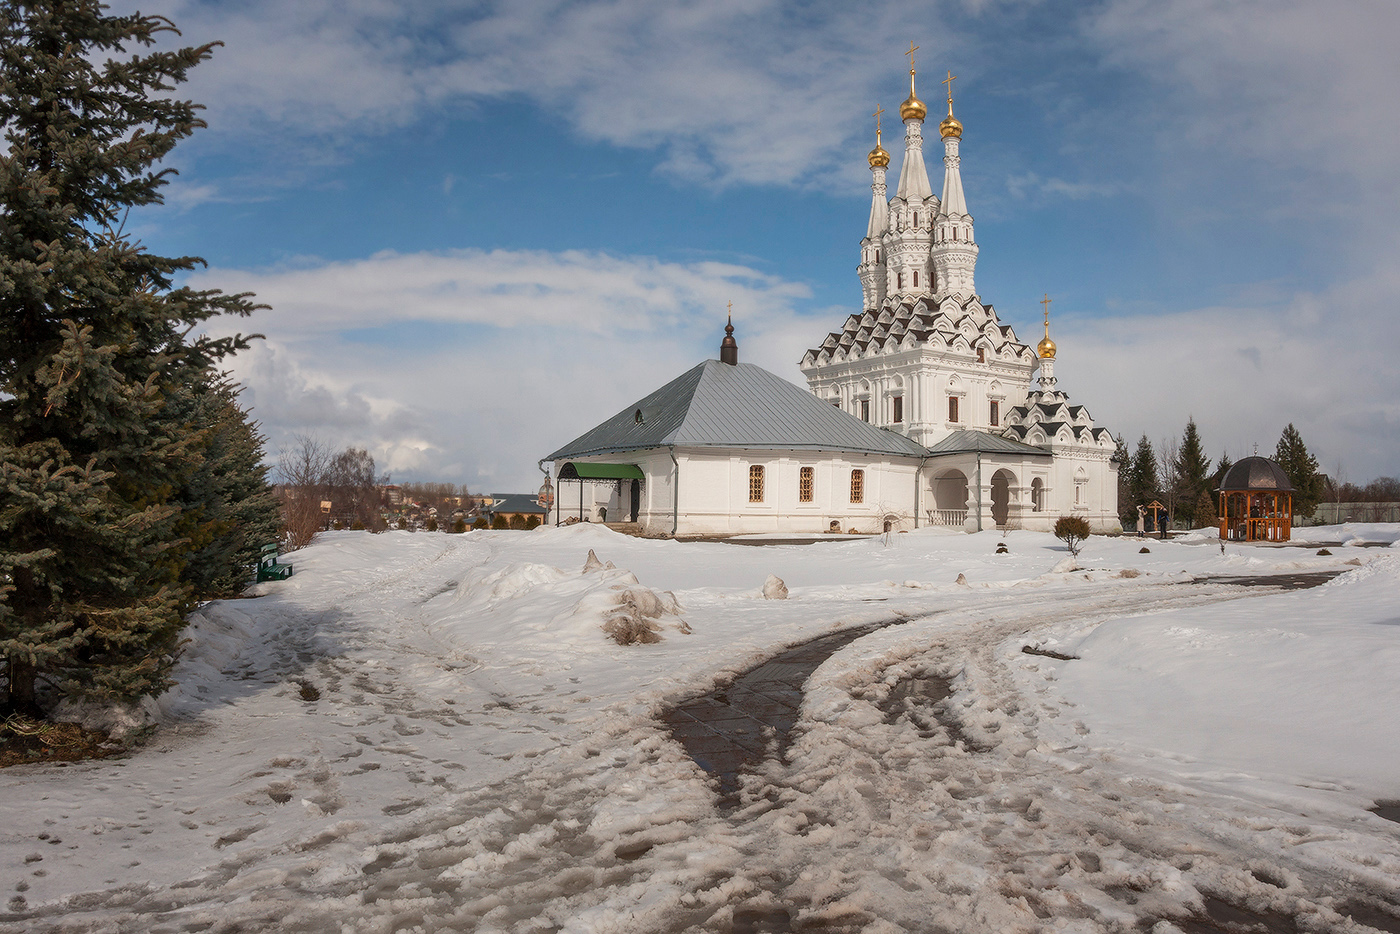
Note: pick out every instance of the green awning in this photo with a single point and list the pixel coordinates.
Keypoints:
(575, 471)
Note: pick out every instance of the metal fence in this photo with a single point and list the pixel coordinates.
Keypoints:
(1338, 513)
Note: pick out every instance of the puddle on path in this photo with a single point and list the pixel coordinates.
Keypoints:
(1300, 581)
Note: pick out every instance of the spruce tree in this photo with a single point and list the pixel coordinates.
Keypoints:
(1143, 483)
(1221, 469)
(1193, 470)
(1127, 509)
(1301, 467)
(96, 363)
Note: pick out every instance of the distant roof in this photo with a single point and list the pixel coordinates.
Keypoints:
(1256, 473)
(738, 406)
(969, 440)
(516, 502)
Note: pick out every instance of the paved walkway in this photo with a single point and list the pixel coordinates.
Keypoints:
(738, 725)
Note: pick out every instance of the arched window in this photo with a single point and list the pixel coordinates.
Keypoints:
(1037, 495)
(756, 483)
(899, 280)
(916, 223)
(916, 278)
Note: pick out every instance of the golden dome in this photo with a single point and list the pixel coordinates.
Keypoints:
(878, 157)
(913, 108)
(951, 126)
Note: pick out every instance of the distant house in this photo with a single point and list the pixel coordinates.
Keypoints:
(511, 505)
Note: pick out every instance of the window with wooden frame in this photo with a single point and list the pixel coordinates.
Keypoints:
(756, 483)
(805, 484)
(857, 486)
(865, 410)
(897, 416)
(995, 418)
(952, 408)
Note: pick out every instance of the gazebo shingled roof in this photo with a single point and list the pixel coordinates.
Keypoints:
(1256, 502)
(1256, 473)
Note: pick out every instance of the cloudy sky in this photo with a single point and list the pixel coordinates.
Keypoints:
(485, 226)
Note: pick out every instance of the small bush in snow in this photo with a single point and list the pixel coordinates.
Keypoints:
(1072, 530)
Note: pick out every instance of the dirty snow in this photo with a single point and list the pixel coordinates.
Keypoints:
(433, 732)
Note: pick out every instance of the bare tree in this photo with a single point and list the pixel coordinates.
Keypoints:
(1169, 475)
(304, 470)
(354, 488)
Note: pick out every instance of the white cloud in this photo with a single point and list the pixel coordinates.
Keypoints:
(728, 90)
(1244, 372)
(470, 365)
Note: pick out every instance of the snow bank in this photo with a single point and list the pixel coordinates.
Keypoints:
(1298, 687)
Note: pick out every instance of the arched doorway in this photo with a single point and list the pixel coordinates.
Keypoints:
(1037, 495)
(949, 499)
(1001, 496)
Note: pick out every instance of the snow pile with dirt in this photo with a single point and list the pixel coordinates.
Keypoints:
(442, 732)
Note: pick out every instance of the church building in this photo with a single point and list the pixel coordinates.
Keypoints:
(924, 409)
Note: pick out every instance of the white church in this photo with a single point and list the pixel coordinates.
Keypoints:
(924, 409)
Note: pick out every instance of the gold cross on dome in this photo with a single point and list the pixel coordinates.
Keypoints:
(951, 78)
(731, 311)
(1045, 303)
(912, 49)
(878, 110)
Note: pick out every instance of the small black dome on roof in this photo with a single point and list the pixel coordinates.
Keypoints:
(1256, 473)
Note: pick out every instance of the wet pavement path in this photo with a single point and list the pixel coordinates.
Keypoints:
(738, 725)
(735, 727)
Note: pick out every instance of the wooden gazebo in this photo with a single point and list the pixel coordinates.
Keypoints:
(1256, 502)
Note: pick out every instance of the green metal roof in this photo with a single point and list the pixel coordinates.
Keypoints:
(580, 471)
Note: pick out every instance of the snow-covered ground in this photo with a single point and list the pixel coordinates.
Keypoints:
(432, 732)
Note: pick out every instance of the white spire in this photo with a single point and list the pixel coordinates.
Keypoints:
(954, 247)
(951, 130)
(879, 207)
(913, 176)
(953, 200)
(871, 269)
